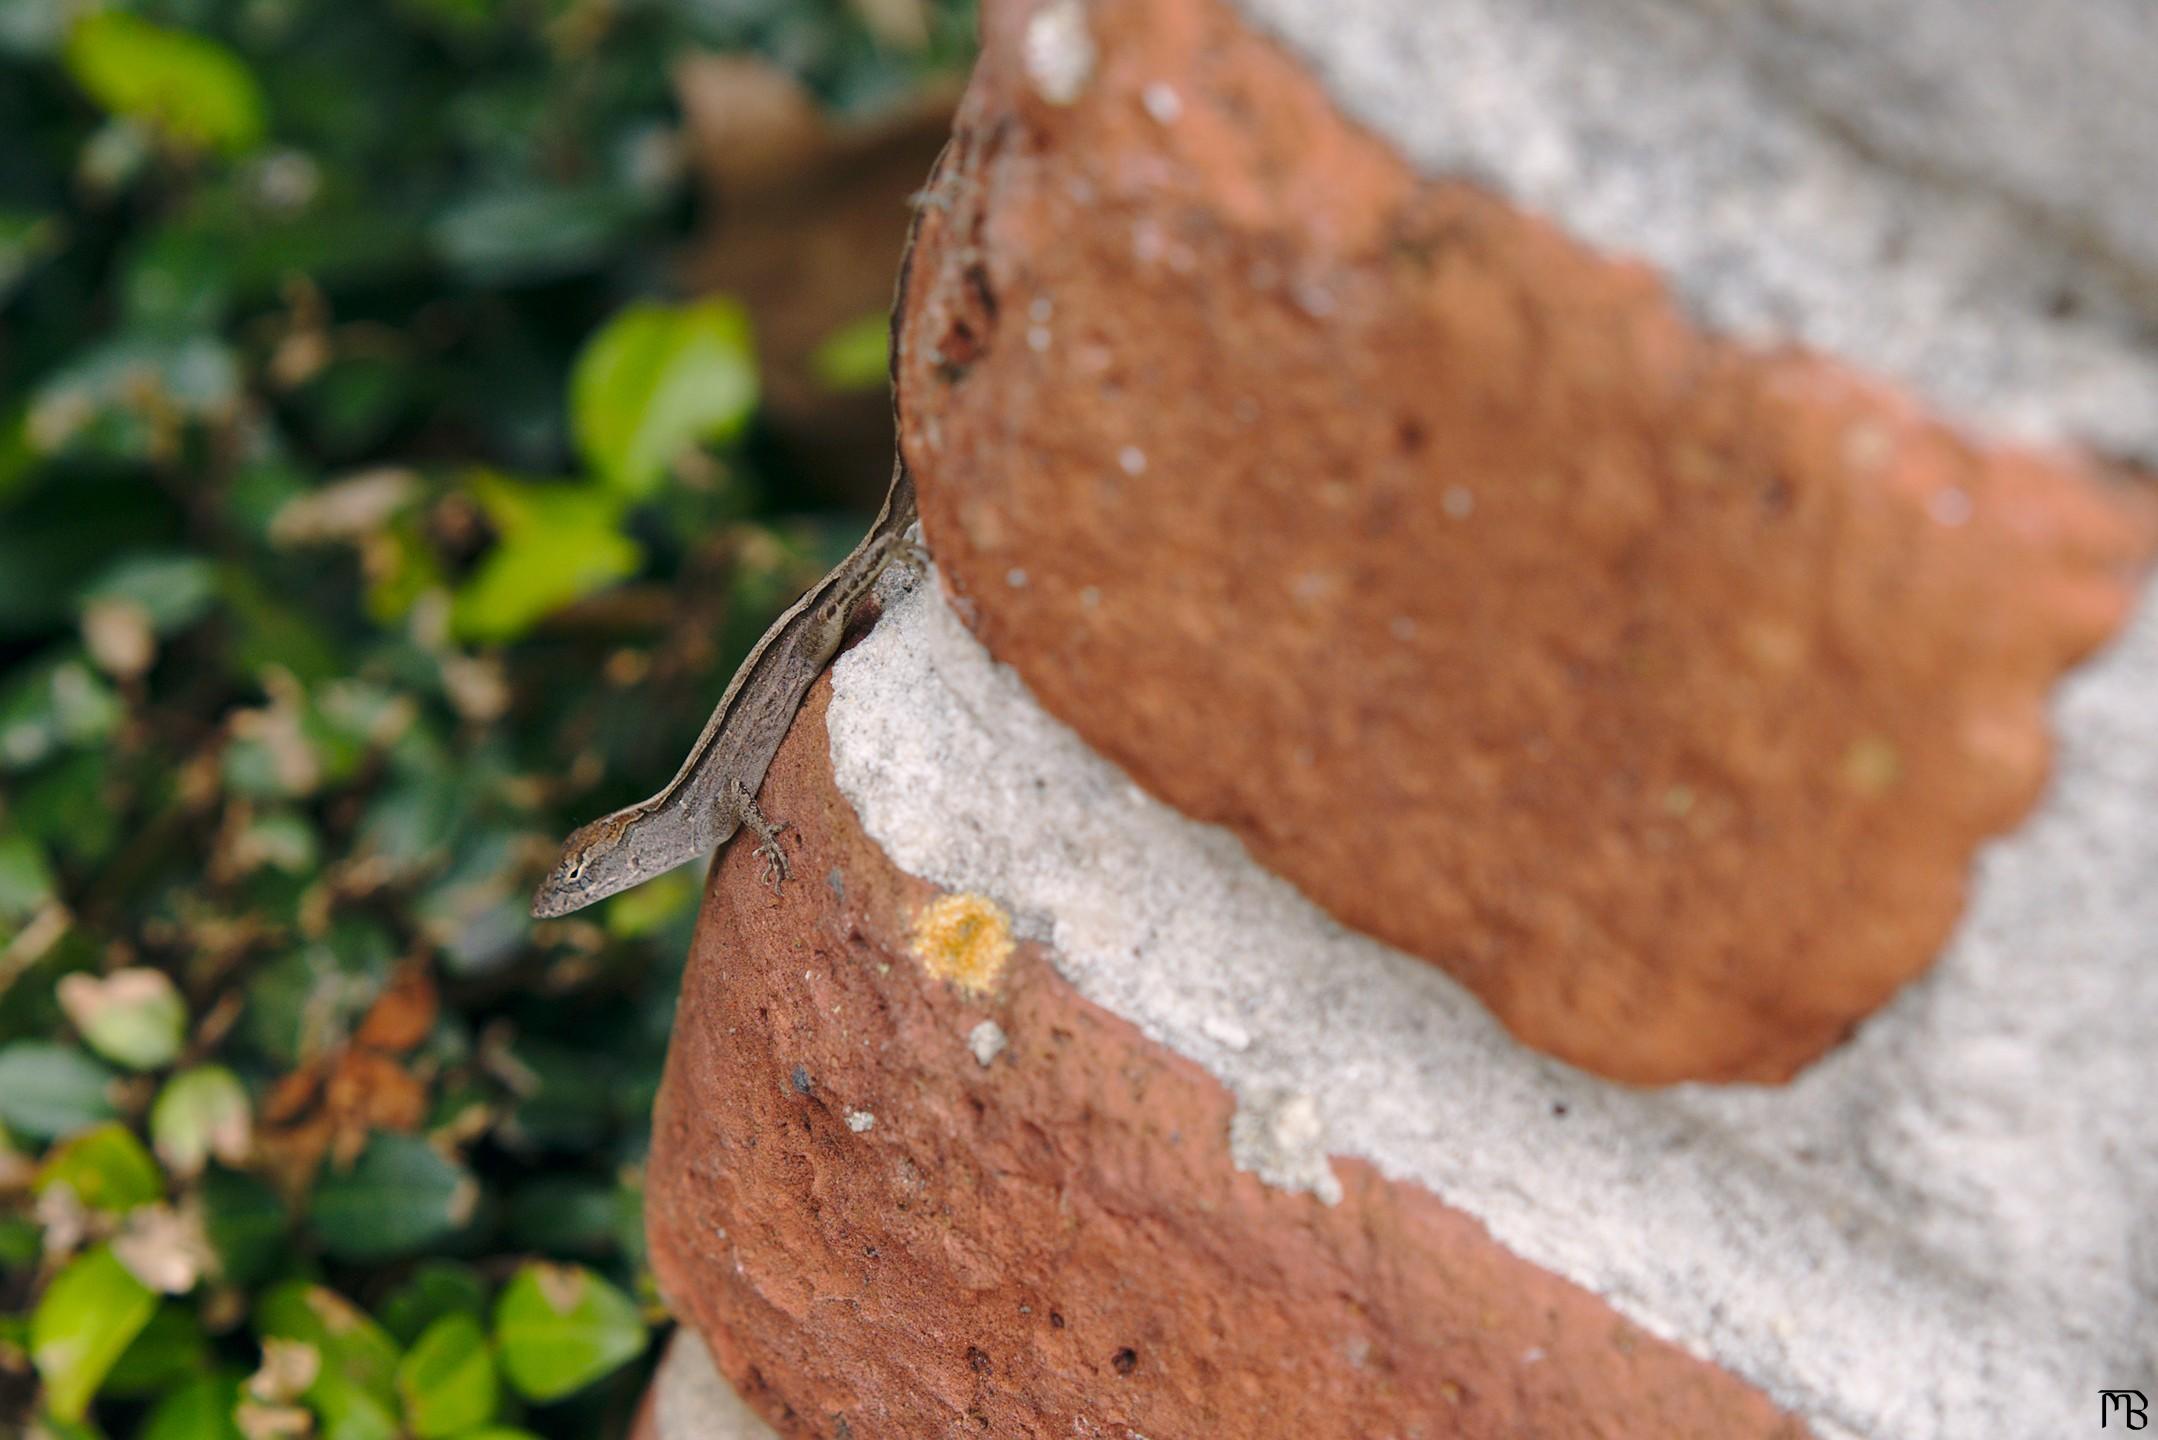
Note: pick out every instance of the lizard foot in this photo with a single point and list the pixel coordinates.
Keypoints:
(775, 859)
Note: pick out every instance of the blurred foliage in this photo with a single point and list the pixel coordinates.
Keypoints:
(371, 512)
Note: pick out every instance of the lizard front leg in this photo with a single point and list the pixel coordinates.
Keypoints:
(775, 859)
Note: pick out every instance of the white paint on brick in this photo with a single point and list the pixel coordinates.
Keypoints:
(1956, 197)
(1941, 1231)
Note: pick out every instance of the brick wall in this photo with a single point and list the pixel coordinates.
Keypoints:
(1525, 797)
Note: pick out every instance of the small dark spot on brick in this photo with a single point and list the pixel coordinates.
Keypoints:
(1558, 1108)
(1056, 1321)
(1410, 434)
(1125, 1360)
(978, 1359)
(841, 1430)
(870, 1251)
(801, 1079)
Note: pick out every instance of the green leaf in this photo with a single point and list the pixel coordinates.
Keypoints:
(25, 239)
(245, 1223)
(855, 356)
(174, 591)
(560, 1327)
(47, 706)
(194, 89)
(562, 1215)
(199, 1410)
(48, 1091)
(355, 1391)
(26, 879)
(88, 1316)
(434, 1289)
(399, 1197)
(64, 807)
(131, 1017)
(650, 906)
(106, 1167)
(657, 380)
(169, 1351)
(559, 543)
(447, 1379)
(534, 233)
(116, 398)
(201, 1112)
(20, 1243)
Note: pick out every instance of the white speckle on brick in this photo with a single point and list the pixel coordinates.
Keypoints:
(1059, 51)
(860, 1121)
(1279, 1137)
(1162, 102)
(1458, 502)
(987, 1041)
(1131, 460)
(1016, 577)
(1038, 338)
(1950, 505)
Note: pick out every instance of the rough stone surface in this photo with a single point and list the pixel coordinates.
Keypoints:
(1657, 688)
(1939, 1231)
(1957, 199)
(1058, 1244)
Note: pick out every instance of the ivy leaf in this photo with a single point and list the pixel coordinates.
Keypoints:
(355, 1388)
(48, 1090)
(107, 1168)
(26, 878)
(856, 356)
(131, 1017)
(245, 1224)
(52, 705)
(657, 380)
(86, 1319)
(560, 1327)
(169, 1351)
(173, 591)
(534, 233)
(559, 543)
(435, 1289)
(399, 1197)
(193, 89)
(200, 1113)
(447, 1379)
(199, 1410)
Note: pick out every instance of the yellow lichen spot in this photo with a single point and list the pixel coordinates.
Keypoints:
(965, 939)
(1872, 765)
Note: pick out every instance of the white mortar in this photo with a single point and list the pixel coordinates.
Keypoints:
(1942, 1230)
(693, 1401)
(1914, 185)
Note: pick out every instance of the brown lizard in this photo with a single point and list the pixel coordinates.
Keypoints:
(714, 794)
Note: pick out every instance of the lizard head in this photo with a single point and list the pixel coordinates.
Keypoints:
(595, 863)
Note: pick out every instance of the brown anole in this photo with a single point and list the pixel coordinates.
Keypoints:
(714, 794)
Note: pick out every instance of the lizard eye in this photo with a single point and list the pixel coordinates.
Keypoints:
(576, 869)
